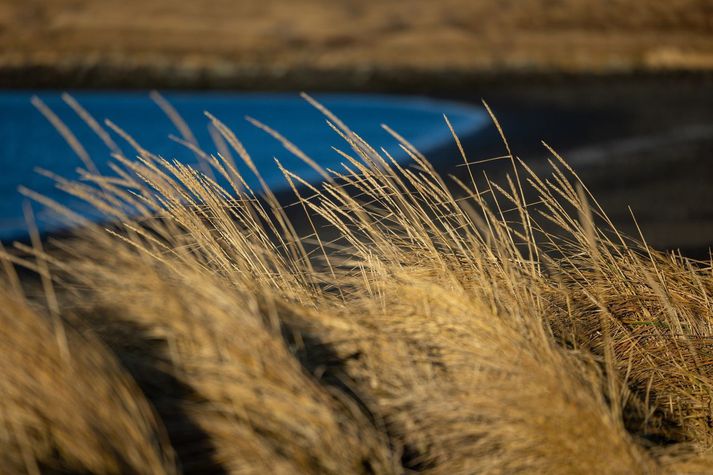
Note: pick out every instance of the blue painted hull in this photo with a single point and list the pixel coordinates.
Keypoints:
(29, 141)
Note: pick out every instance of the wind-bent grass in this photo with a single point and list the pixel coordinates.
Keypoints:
(68, 405)
(410, 328)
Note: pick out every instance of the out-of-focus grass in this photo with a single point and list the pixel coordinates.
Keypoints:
(186, 42)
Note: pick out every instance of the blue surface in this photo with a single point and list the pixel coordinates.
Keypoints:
(28, 140)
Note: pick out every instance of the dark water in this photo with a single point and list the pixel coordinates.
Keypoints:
(28, 141)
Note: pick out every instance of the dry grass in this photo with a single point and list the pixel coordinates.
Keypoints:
(409, 329)
(241, 399)
(67, 405)
(184, 42)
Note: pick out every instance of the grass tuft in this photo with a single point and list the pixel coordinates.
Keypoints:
(384, 321)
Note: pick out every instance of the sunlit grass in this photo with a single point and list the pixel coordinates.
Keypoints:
(404, 321)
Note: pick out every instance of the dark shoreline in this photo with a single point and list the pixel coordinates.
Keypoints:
(410, 81)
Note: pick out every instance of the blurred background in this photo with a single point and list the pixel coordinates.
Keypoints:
(623, 89)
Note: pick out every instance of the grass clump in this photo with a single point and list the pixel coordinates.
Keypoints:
(504, 328)
(67, 405)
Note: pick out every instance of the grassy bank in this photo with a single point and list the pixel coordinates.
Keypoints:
(284, 44)
(406, 322)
